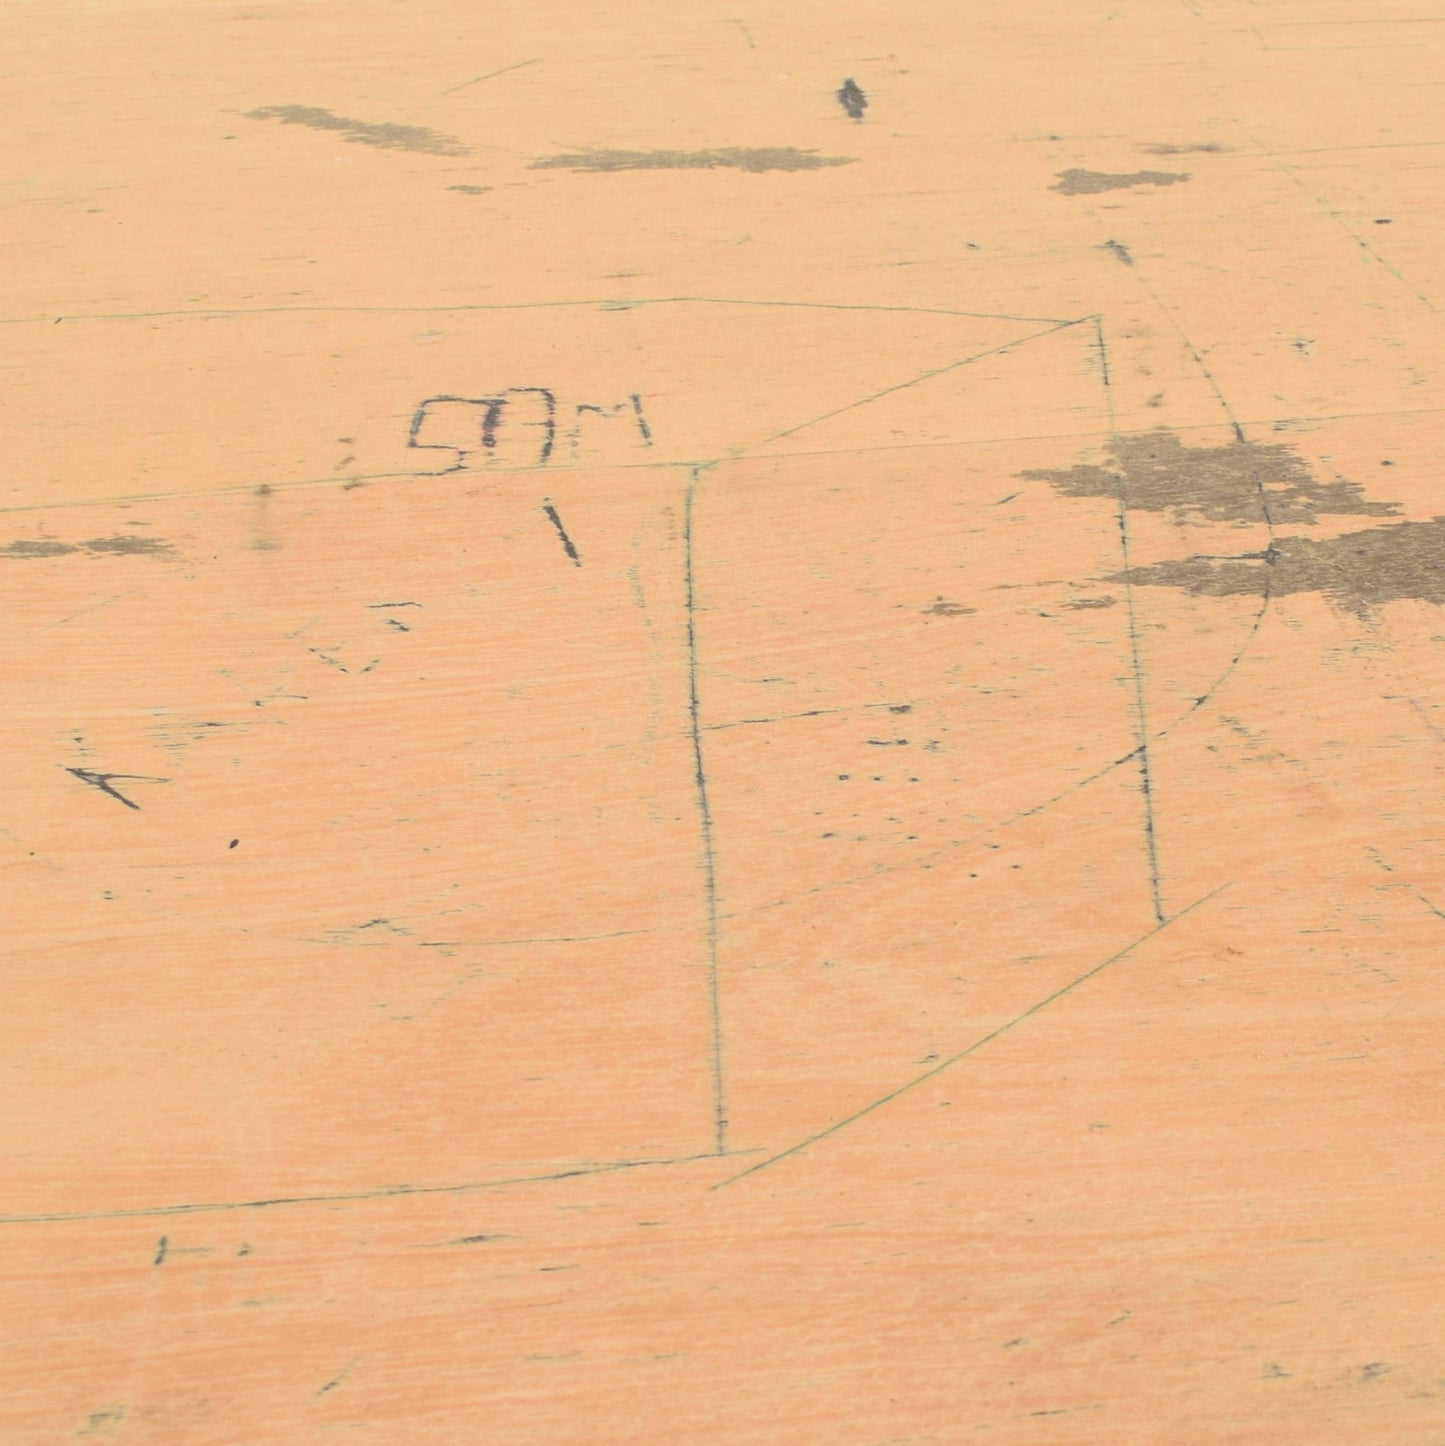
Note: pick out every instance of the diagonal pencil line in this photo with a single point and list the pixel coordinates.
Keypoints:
(704, 816)
(973, 1048)
(904, 385)
(1141, 716)
(490, 75)
(1328, 210)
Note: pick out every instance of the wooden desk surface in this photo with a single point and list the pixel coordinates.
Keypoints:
(723, 727)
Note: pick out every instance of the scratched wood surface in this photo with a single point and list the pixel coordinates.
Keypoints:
(723, 727)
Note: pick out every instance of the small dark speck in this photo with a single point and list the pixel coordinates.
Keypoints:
(901, 708)
(1387, 463)
(1374, 1370)
(1382, 220)
(470, 190)
(233, 843)
(844, 777)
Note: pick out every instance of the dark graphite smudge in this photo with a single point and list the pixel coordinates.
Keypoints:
(765, 158)
(852, 99)
(1233, 483)
(385, 136)
(1077, 182)
(1356, 571)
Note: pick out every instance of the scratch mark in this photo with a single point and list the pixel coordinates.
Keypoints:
(102, 782)
(567, 544)
(973, 1048)
(161, 1248)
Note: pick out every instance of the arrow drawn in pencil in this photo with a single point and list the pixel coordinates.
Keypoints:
(102, 782)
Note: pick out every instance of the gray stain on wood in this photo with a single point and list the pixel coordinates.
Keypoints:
(761, 158)
(99, 546)
(384, 136)
(1077, 182)
(1355, 571)
(1233, 483)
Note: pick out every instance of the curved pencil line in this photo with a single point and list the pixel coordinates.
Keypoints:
(389, 1192)
(973, 1048)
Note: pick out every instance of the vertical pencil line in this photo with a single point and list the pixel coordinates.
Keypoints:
(1146, 779)
(705, 826)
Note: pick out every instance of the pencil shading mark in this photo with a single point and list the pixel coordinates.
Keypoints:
(704, 815)
(471, 190)
(747, 34)
(970, 1049)
(1077, 182)
(852, 99)
(567, 544)
(102, 781)
(161, 1247)
(1116, 248)
(364, 133)
(756, 158)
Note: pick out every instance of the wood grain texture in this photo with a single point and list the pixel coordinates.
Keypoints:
(722, 728)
